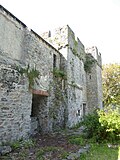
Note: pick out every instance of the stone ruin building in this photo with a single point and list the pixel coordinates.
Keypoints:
(47, 82)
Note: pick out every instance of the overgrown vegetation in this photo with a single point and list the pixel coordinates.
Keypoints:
(77, 139)
(59, 73)
(89, 62)
(103, 125)
(80, 55)
(111, 84)
(47, 151)
(31, 74)
(110, 120)
(100, 152)
(93, 128)
(19, 144)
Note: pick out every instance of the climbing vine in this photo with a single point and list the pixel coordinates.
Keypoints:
(59, 73)
(88, 64)
(31, 74)
(59, 98)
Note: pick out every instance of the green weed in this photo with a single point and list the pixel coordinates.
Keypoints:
(78, 140)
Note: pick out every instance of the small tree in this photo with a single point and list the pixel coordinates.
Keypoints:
(110, 119)
(111, 84)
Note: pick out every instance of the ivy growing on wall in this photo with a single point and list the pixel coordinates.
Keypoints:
(31, 74)
(89, 62)
(80, 55)
(59, 73)
(59, 98)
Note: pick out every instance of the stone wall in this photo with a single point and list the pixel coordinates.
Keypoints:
(23, 105)
(59, 96)
(15, 104)
(15, 98)
(72, 49)
(76, 79)
(94, 81)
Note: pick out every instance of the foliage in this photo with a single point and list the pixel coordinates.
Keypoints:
(78, 140)
(19, 144)
(103, 125)
(76, 126)
(31, 74)
(110, 119)
(89, 62)
(93, 128)
(64, 154)
(111, 84)
(80, 55)
(100, 152)
(29, 143)
(15, 145)
(42, 151)
(59, 73)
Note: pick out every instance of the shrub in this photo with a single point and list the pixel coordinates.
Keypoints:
(110, 119)
(77, 139)
(93, 128)
(103, 125)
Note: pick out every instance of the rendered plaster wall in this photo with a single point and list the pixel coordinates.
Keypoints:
(11, 37)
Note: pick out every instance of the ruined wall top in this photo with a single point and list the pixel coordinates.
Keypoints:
(60, 37)
(95, 53)
(63, 38)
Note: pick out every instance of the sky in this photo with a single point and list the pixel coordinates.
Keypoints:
(95, 22)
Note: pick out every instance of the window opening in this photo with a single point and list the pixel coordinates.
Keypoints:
(78, 112)
(54, 61)
(84, 109)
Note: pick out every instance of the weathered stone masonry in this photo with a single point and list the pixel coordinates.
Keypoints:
(63, 92)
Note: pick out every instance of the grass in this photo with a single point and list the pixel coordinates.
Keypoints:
(77, 139)
(42, 152)
(97, 151)
(26, 144)
(101, 152)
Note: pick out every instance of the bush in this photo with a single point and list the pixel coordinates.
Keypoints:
(93, 128)
(103, 125)
(110, 119)
(77, 139)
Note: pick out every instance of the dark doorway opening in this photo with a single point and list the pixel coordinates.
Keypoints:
(39, 113)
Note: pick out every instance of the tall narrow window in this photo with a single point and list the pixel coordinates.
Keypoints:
(78, 112)
(84, 109)
(54, 60)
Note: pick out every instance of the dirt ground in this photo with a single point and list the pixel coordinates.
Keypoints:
(43, 147)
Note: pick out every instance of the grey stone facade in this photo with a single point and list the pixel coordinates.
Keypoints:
(61, 94)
